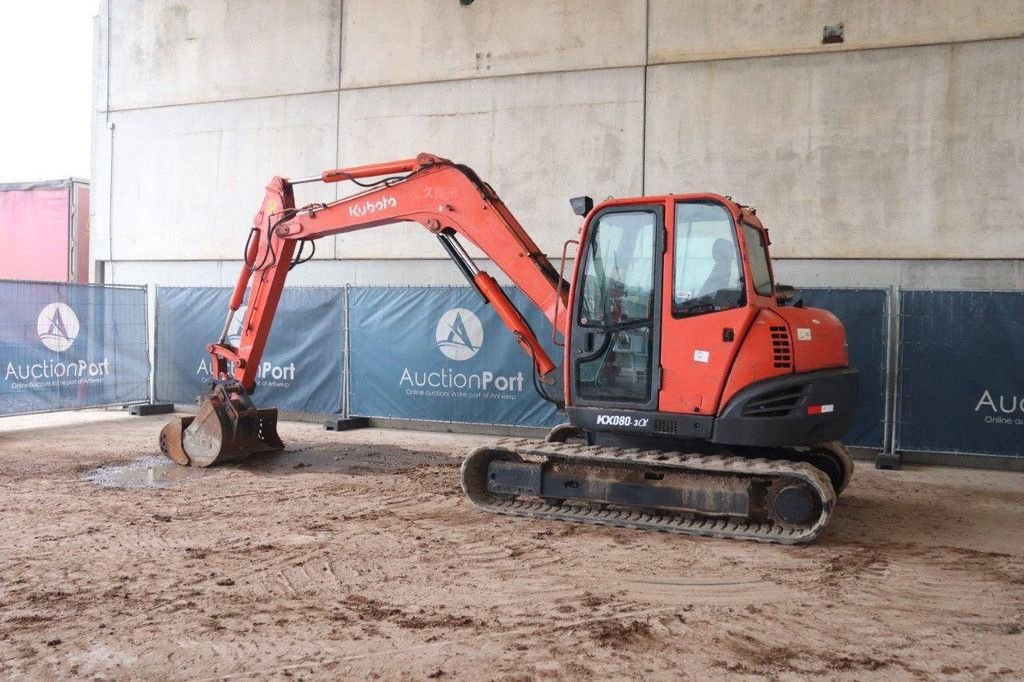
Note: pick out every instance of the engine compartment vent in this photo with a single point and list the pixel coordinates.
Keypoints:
(666, 426)
(779, 403)
(781, 348)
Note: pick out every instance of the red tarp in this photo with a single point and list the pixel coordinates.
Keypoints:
(34, 234)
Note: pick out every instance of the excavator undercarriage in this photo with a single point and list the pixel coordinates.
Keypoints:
(779, 501)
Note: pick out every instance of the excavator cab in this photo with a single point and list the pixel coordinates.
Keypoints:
(676, 333)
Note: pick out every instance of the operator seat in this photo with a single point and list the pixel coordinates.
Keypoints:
(721, 273)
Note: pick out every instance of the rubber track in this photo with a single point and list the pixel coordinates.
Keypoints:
(474, 484)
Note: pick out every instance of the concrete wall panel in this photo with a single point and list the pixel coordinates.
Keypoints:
(188, 180)
(979, 275)
(100, 58)
(904, 153)
(692, 30)
(537, 139)
(180, 51)
(99, 193)
(412, 41)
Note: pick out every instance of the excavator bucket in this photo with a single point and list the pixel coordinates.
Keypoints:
(170, 439)
(227, 428)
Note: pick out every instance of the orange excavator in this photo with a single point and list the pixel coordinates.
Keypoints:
(700, 397)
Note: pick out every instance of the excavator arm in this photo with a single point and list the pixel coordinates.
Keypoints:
(449, 200)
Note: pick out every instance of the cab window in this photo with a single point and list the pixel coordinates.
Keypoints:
(708, 275)
(759, 270)
(618, 277)
(616, 316)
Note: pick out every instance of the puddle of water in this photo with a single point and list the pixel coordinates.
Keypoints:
(156, 471)
(145, 472)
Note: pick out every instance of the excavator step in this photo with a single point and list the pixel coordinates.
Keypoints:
(763, 500)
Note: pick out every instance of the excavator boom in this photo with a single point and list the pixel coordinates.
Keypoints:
(447, 199)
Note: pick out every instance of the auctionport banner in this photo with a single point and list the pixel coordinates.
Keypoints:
(442, 354)
(865, 314)
(961, 377)
(69, 346)
(301, 369)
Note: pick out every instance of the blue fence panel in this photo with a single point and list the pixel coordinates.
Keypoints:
(70, 346)
(442, 354)
(961, 378)
(302, 365)
(865, 314)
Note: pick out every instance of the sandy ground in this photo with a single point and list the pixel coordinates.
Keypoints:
(355, 555)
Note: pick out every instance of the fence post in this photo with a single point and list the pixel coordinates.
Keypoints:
(152, 407)
(888, 458)
(345, 348)
(151, 338)
(345, 421)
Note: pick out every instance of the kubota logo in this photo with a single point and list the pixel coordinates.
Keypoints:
(459, 334)
(368, 207)
(57, 326)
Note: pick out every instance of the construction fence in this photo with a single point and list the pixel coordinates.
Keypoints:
(301, 369)
(940, 371)
(960, 373)
(70, 346)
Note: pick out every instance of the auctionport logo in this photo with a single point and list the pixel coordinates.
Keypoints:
(57, 326)
(459, 334)
(268, 373)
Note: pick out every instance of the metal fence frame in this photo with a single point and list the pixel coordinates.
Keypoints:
(119, 403)
(154, 358)
(410, 422)
(929, 456)
(893, 365)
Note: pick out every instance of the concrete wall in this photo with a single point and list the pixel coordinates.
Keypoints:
(165, 52)
(893, 153)
(896, 156)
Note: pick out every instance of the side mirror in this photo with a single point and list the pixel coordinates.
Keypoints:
(581, 206)
(784, 293)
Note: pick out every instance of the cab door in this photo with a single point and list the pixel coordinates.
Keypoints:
(705, 313)
(615, 335)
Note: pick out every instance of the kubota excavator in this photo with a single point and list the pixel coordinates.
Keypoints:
(701, 399)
